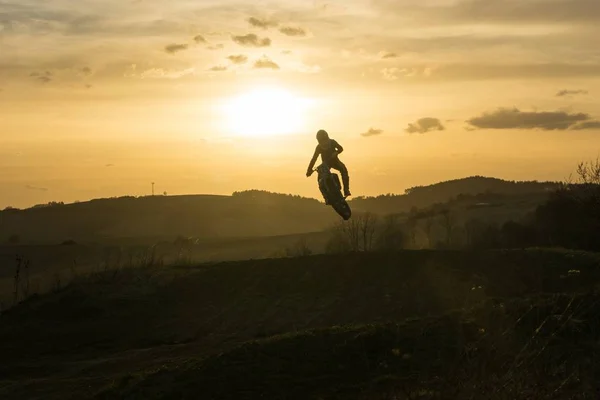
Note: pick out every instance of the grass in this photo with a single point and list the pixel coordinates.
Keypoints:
(52, 263)
(438, 323)
(491, 352)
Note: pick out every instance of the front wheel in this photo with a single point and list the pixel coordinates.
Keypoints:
(342, 208)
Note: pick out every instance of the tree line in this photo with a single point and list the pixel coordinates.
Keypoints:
(568, 218)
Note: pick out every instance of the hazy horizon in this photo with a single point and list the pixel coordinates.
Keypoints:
(100, 98)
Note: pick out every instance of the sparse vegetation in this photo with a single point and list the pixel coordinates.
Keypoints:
(299, 249)
(362, 326)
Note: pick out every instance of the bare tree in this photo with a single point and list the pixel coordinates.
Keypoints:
(411, 225)
(357, 234)
(474, 229)
(391, 236)
(368, 222)
(428, 222)
(351, 230)
(589, 172)
(449, 222)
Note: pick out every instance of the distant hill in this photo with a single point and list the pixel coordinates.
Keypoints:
(251, 213)
(425, 196)
(244, 214)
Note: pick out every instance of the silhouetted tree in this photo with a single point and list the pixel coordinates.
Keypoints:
(391, 235)
(428, 223)
(368, 224)
(474, 228)
(448, 222)
(298, 249)
(356, 234)
(571, 216)
(411, 226)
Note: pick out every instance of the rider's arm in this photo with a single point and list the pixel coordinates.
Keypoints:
(313, 159)
(337, 147)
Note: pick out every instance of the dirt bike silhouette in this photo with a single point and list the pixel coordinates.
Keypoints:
(331, 189)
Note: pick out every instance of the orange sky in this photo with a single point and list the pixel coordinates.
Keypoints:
(99, 98)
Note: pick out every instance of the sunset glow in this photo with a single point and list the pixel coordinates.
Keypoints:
(100, 97)
(265, 112)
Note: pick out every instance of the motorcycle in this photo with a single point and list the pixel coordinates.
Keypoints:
(331, 189)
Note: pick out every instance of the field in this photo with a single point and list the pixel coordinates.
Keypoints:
(519, 324)
(52, 265)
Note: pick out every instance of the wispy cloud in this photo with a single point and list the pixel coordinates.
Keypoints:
(390, 74)
(388, 55)
(505, 11)
(199, 39)
(262, 22)
(251, 40)
(217, 46)
(43, 77)
(238, 58)
(593, 124)
(86, 71)
(218, 68)
(292, 31)
(372, 132)
(513, 118)
(424, 125)
(36, 188)
(162, 73)
(566, 92)
(265, 63)
(175, 47)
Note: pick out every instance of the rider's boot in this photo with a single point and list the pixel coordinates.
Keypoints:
(346, 182)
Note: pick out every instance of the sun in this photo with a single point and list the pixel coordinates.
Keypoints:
(266, 112)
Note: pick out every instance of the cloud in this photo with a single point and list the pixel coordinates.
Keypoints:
(251, 40)
(43, 77)
(218, 68)
(387, 54)
(175, 47)
(199, 39)
(513, 118)
(497, 11)
(390, 74)
(238, 59)
(570, 92)
(490, 71)
(262, 23)
(292, 31)
(372, 132)
(592, 124)
(217, 46)
(161, 73)
(265, 63)
(425, 125)
(36, 188)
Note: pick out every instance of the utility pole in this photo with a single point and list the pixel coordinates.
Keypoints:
(152, 188)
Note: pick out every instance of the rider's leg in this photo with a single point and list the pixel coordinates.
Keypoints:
(338, 165)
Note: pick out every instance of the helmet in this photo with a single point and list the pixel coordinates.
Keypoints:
(322, 135)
